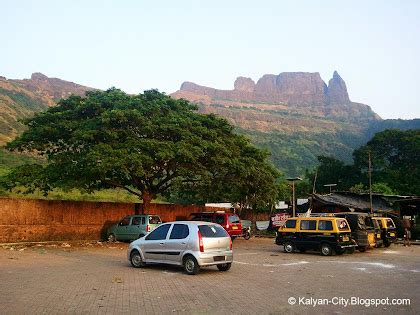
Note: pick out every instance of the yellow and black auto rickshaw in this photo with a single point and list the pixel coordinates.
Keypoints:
(388, 230)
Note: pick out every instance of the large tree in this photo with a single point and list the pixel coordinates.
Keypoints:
(395, 158)
(148, 144)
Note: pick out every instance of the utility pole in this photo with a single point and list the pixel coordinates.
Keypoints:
(370, 184)
(293, 179)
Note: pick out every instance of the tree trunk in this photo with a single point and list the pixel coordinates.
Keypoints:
(147, 199)
(136, 208)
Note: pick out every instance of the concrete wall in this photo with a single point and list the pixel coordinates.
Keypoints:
(26, 220)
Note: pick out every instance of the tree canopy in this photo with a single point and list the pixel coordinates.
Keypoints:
(148, 144)
(395, 162)
(395, 156)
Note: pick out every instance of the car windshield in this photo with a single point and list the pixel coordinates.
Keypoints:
(212, 231)
(154, 219)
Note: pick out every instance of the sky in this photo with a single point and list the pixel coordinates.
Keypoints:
(139, 45)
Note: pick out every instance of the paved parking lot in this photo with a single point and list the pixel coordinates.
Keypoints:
(96, 278)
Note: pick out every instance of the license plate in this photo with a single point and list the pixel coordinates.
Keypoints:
(392, 234)
(234, 227)
(219, 258)
(345, 238)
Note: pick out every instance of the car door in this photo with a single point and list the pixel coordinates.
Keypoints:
(121, 230)
(177, 242)
(307, 234)
(133, 229)
(153, 247)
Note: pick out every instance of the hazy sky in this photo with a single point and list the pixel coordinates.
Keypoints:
(138, 45)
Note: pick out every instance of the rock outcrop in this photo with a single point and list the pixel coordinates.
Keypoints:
(297, 88)
(337, 90)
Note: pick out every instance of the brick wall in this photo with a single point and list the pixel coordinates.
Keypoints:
(26, 220)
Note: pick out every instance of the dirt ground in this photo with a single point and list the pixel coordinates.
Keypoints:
(96, 278)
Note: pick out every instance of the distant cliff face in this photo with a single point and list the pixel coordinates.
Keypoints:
(294, 88)
(295, 115)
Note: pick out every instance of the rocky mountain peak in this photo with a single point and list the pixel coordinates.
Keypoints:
(337, 90)
(38, 76)
(244, 84)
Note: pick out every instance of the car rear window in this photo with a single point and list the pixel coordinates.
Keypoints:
(390, 223)
(212, 231)
(154, 219)
(234, 219)
(342, 225)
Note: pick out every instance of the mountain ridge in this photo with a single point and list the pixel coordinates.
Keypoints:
(296, 116)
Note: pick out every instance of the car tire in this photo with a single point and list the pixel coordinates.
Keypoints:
(363, 249)
(350, 250)
(340, 251)
(191, 266)
(326, 249)
(136, 260)
(224, 267)
(247, 235)
(288, 247)
(387, 244)
(233, 238)
(111, 238)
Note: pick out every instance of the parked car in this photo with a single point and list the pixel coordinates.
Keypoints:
(362, 229)
(388, 230)
(229, 221)
(133, 227)
(327, 234)
(190, 244)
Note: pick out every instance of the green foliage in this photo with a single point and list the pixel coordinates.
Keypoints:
(395, 160)
(358, 188)
(148, 144)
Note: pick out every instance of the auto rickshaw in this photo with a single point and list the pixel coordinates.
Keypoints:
(388, 230)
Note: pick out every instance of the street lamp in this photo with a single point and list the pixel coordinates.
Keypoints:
(293, 180)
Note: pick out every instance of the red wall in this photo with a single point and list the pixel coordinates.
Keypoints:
(26, 220)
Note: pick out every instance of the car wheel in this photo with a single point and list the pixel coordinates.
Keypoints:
(340, 251)
(363, 249)
(136, 260)
(111, 238)
(191, 266)
(351, 250)
(247, 235)
(224, 267)
(233, 238)
(326, 250)
(288, 247)
(387, 244)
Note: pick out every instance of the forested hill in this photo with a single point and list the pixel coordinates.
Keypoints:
(23, 98)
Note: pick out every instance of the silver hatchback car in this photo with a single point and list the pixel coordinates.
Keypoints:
(191, 244)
